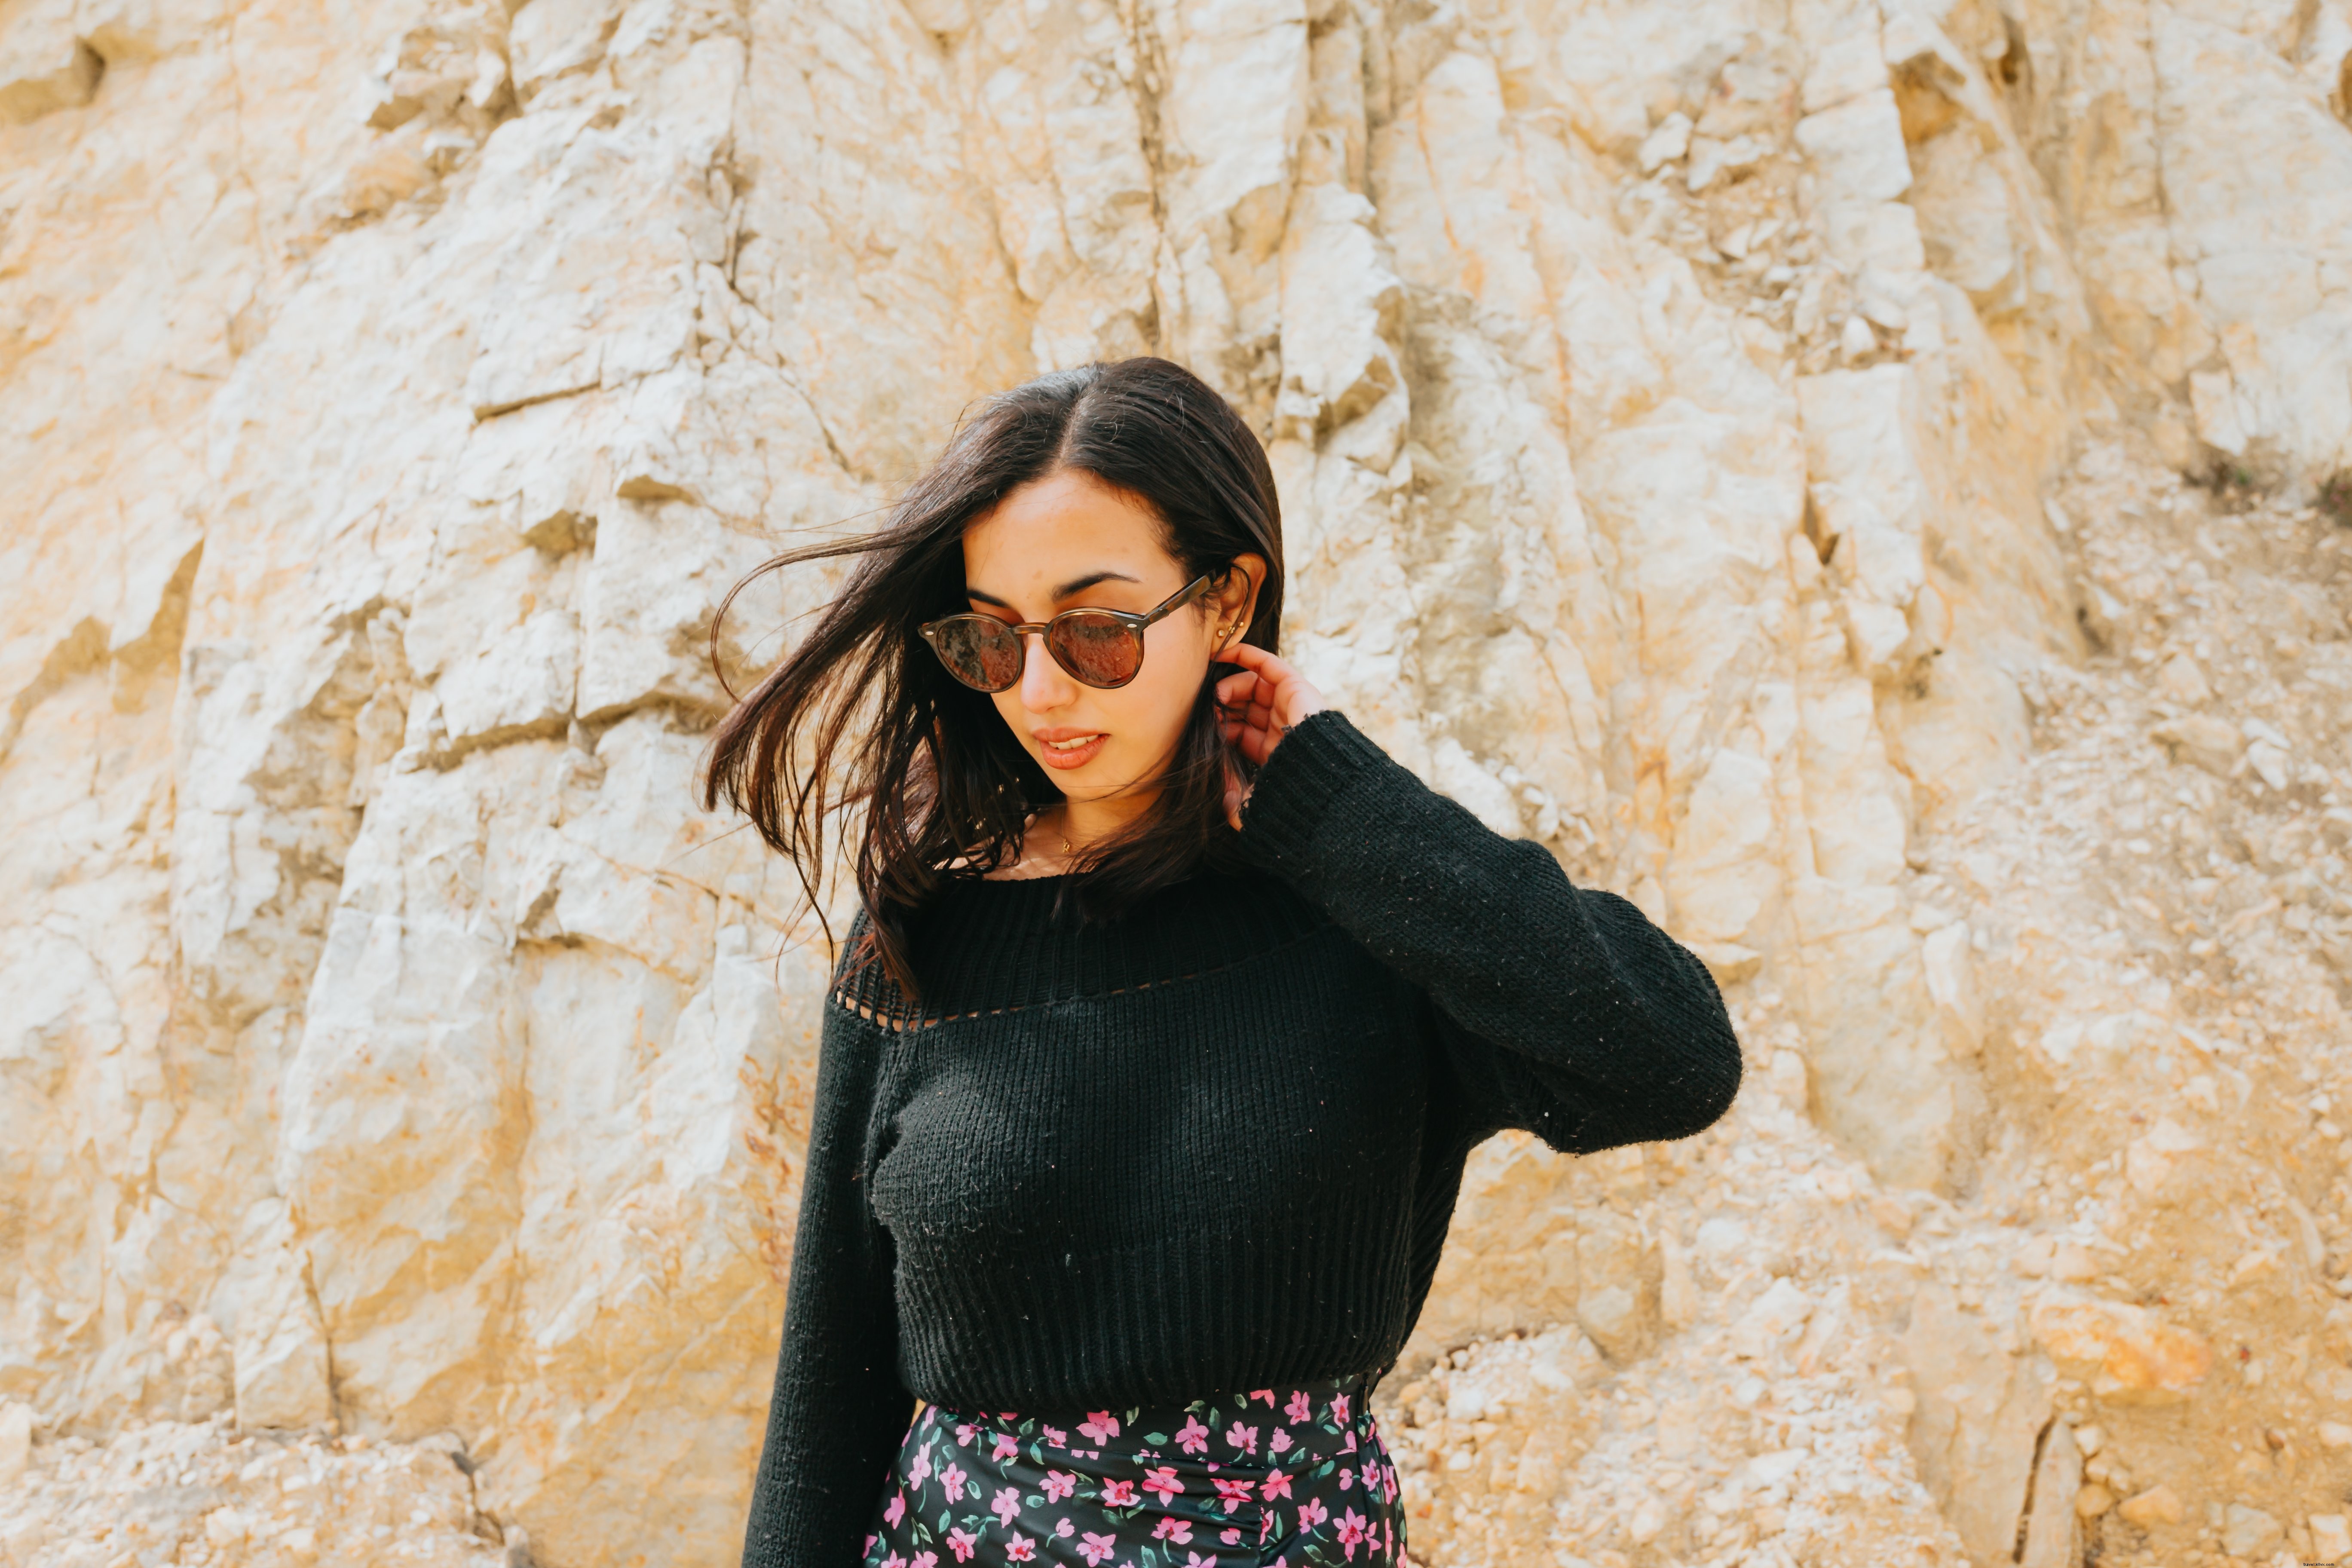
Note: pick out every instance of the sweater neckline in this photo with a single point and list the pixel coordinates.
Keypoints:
(985, 946)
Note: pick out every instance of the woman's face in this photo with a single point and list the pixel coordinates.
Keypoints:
(1069, 542)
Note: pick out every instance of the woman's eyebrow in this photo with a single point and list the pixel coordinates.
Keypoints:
(1074, 585)
(1080, 584)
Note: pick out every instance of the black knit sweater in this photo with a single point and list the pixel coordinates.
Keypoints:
(1211, 1145)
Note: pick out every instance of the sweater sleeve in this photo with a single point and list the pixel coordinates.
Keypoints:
(838, 1412)
(1563, 1010)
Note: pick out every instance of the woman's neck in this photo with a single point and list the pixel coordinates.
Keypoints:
(1083, 824)
(1058, 834)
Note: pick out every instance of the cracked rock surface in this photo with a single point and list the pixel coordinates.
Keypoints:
(1867, 480)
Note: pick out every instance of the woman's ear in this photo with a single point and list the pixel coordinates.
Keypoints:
(1237, 596)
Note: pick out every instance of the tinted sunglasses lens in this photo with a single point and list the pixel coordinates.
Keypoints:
(979, 651)
(1097, 649)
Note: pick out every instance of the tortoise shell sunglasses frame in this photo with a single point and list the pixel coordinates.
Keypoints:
(1094, 647)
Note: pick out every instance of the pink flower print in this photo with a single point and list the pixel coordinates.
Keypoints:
(1179, 1531)
(1006, 1506)
(1339, 1408)
(1005, 1446)
(894, 1561)
(1298, 1409)
(1117, 1494)
(1055, 1436)
(1347, 1479)
(1351, 1532)
(1243, 1437)
(1020, 1549)
(1192, 1437)
(952, 1479)
(1099, 1426)
(1350, 1446)
(1264, 1526)
(1265, 1394)
(1194, 1560)
(1312, 1512)
(1063, 1529)
(964, 1432)
(1278, 1441)
(1161, 1482)
(895, 1511)
(960, 1542)
(921, 1469)
(1059, 1484)
(1230, 1492)
(925, 1560)
(1230, 1537)
(1276, 1485)
(1095, 1548)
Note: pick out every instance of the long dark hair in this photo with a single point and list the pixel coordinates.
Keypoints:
(861, 716)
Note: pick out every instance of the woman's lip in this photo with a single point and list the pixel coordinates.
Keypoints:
(1072, 757)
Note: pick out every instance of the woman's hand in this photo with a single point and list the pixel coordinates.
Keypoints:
(1257, 706)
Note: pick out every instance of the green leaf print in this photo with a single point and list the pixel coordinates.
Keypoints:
(1155, 1436)
(1325, 1469)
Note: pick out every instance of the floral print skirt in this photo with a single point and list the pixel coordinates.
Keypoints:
(1274, 1477)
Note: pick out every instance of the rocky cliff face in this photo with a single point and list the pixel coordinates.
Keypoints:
(1867, 481)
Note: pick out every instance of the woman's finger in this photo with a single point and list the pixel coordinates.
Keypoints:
(1286, 695)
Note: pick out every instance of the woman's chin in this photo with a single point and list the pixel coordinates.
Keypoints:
(1099, 779)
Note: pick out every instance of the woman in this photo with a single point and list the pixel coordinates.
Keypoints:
(1172, 1012)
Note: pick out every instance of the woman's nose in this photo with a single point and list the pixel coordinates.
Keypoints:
(1044, 685)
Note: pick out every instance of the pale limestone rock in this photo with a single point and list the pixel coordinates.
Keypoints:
(1846, 68)
(383, 447)
(2248, 1533)
(1666, 143)
(1980, 1409)
(1857, 144)
(15, 1440)
(2130, 1355)
(44, 65)
(2053, 1529)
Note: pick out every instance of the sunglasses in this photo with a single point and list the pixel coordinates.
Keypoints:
(1098, 647)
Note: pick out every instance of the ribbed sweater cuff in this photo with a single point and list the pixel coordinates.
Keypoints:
(1315, 764)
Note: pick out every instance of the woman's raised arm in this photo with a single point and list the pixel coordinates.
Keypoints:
(1571, 1013)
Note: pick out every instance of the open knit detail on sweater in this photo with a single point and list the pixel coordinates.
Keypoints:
(886, 1009)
